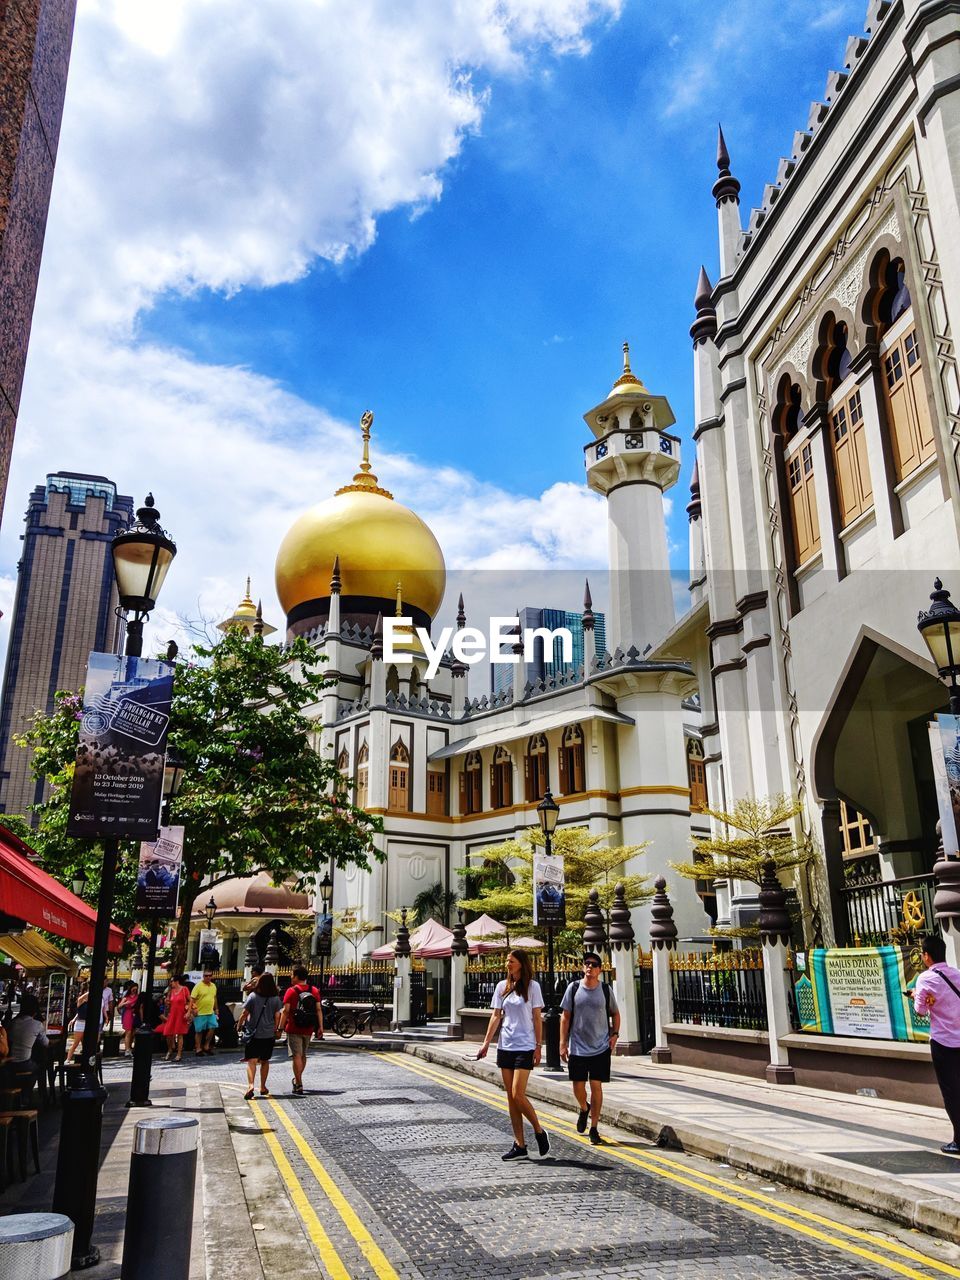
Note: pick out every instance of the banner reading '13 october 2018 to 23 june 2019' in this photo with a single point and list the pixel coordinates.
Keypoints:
(118, 778)
(158, 875)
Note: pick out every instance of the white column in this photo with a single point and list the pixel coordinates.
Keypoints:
(775, 979)
(625, 989)
(458, 987)
(663, 938)
(401, 991)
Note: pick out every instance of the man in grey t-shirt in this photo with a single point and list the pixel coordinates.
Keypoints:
(589, 1029)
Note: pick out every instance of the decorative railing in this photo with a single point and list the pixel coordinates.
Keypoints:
(719, 989)
(882, 911)
(481, 982)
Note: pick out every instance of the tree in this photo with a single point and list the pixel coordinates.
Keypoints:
(505, 879)
(756, 831)
(353, 929)
(434, 903)
(256, 794)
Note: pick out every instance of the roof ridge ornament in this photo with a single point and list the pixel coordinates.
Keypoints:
(628, 380)
(365, 480)
(726, 186)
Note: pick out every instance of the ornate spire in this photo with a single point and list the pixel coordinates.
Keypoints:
(335, 577)
(621, 930)
(402, 947)
(461, 616)
(628, 380)
(594, 938)
(376, 649)
(588, 615)
(365, 481)
(252, 955)
(399, 608)
(774, 917)
(705, 325)
(258, 625)
(272, 954)
(458, 943)
(457, 667)
(693, 507)
(726, 186)
(663, 932)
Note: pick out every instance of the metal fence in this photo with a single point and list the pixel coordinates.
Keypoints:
(343, 984)
(875, 910)
(481, 982)
(645, 1009)
(722, 989)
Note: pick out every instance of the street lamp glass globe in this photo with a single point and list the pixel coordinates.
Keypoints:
(548, 811)
(210, 910)
(940, 627)
(79, 883)
(142, 555)
(172, 773)
(326, 891)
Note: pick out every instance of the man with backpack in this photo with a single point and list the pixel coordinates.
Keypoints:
(302, 1019)
(589, 1029)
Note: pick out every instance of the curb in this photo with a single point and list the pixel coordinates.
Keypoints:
(919, 1210)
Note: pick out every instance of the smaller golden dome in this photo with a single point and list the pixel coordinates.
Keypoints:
(628, 380)
(246, 617)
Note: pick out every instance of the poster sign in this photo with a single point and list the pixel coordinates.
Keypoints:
(865, 992)
(210, 947)
(158, 875)
(549, 899)
(118, 777)
(945, 752)
(324, 935)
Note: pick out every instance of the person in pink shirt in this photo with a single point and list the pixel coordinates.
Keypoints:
(937, 996)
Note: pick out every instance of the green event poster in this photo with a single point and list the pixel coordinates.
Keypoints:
(860, 992)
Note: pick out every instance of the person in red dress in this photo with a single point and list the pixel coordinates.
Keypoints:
(177, 1023)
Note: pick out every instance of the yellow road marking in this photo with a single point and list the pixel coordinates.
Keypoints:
(328, 1254)
(368, 1245)
(706, 1183)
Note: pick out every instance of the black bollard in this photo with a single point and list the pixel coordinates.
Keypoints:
(163, 1173)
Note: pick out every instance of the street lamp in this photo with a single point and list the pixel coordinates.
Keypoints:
(142, 554)
(80, 883)
(173, 767)
(325, 940)
(548, 811)
(940, 627)
(210, 910)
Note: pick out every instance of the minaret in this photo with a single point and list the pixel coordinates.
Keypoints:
(726, 192)
(632, 461)
(698, 572)
(588, 621)
(247, 617)
(459, 669)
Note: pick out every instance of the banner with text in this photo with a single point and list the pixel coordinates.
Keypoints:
(118, 778)
(158, 875)
(864, 992)
(945, 752)
(549, 898)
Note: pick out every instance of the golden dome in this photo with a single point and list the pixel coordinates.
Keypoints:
(628, 380)
(378, 541)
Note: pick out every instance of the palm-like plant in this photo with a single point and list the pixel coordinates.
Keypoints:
(434, 903)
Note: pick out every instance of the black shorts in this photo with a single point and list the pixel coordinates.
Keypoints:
(259, 1050)
(515, 1059)
(594, 1067)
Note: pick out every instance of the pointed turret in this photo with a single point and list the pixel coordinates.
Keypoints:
(588, 615)
(335, 577)
(693, 507)
(726, 186)
(726, 192)
(376, 649)
(705, 325)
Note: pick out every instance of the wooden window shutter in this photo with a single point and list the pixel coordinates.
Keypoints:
(564, 779)
(463, 792)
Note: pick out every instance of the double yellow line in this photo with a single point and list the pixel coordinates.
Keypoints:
(804, 1221)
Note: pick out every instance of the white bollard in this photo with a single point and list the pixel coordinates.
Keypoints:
(35, 1246)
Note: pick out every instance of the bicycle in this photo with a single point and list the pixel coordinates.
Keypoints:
(340, 1021)
(376, 1018)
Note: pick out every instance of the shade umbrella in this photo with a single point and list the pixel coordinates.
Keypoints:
(527, 944)
(486, 934)
(430, 941)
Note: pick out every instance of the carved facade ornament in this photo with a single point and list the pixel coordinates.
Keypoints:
(799, 353)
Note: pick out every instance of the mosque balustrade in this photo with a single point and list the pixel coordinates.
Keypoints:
(886, 911)
(483, 974)
(421, 706)
(719, 989)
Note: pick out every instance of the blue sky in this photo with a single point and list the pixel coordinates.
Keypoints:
(452, 214)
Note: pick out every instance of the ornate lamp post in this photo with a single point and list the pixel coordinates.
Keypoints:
(940, 627)
(210, 910)
(142, 555)
(548, 811)
(325, 939)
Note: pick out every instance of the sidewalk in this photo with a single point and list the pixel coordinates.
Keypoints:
(859, 1151)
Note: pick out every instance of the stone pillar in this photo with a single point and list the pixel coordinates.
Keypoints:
(946, 904)
(622, 940)
(251, 957)
(594, 936)
(459, 951)
(401, 985)
(271, 959)
(663, 939)
(775, 938)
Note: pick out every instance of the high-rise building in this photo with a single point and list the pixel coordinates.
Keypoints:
(543, 663)
(64, 608)
(35, 42)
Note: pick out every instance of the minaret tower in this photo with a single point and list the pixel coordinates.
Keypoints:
(632, 461)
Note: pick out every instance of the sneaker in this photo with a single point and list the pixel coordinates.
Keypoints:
(248, 1095)
(595, 1136)
(582, 1122)
(298, 1090)
(516, 1152)
(543, 1142)
(951, 1149)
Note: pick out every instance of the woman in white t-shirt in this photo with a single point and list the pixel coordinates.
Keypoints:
(517, 1005)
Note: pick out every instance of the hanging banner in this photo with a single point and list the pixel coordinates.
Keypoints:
(549, 899)
(324, 938)
(158, 875)
(860, 991)
(118, 778)
(211, 945)
(945, 753)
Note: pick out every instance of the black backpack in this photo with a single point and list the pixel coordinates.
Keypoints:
(305, 1012)
(573, 1003)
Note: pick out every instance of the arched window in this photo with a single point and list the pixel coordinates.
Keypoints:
(363, 775)
(436, 791)
(571, 761)
(696, 775)
(901, 367)
(393, 681)
(501, 779)
(399, 790)
(855, 832)
(848, 438)
(471, 784)
(343, 760)
(798, 470)
(536, 768)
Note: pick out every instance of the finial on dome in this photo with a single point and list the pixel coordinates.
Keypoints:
(726, 186)
(365, 481)
(628, 380)
(399, 599)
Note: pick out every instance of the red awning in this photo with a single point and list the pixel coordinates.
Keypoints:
(30, 894)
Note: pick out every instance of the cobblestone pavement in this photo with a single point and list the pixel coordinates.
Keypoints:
(415, 1159)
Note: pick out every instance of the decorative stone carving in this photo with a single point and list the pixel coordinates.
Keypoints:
(402, 947)
(622, 935)
(663, 932)
(594, 936)
(272, 954)
(252, 955)
(774, 917)
(459, 945)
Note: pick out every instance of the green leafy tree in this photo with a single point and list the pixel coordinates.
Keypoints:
(256, 793)
(504, 881)
(753, 832)
(353, 929)
(434, 903)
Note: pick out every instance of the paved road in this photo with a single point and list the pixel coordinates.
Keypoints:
(393, 1169)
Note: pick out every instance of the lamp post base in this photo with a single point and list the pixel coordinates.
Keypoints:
(78, 1162)
(551, 1035)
